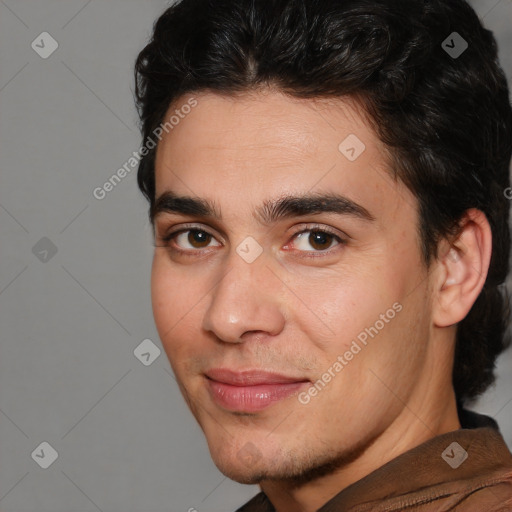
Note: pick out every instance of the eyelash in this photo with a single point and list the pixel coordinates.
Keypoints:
(307, 254)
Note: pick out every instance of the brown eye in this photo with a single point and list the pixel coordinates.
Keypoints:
(191, 239)
(317, 240)
(320, 240)
(198, 239)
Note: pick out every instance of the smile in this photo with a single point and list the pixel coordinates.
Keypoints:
(250, 391)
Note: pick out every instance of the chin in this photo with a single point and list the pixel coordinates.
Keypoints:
(247, 465)
(238, 471)
(244, 476)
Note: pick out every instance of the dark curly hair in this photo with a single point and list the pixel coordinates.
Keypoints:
(446, 119)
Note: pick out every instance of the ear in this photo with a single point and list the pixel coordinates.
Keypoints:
(463, 265)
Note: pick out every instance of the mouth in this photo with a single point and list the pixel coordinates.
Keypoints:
(250, 390)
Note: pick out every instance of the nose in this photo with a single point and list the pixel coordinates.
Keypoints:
(246, 300)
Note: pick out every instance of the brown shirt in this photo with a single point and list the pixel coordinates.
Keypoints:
(467, 470)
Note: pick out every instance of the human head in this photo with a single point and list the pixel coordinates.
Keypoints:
(445, 122)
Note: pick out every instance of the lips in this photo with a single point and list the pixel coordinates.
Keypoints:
(250, 390)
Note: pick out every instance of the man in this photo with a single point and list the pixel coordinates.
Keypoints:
(327, 184)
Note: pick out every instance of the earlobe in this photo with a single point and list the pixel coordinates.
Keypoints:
(463, 270)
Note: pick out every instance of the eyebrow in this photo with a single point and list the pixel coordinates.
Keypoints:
(270, 212)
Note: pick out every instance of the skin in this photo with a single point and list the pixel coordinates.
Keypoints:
(293, 314)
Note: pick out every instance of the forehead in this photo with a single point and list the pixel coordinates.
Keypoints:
(263, 144)
(265, 119)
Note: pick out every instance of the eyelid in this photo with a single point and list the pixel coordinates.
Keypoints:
(171, 233)
(312, 226)
(340, 237)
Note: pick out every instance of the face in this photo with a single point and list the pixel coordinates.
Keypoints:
(286, 321)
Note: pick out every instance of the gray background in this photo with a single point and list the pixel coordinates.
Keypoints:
(70, 324)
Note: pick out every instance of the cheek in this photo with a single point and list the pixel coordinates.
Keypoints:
(163, 295)
(340, 305)
(174, 298)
